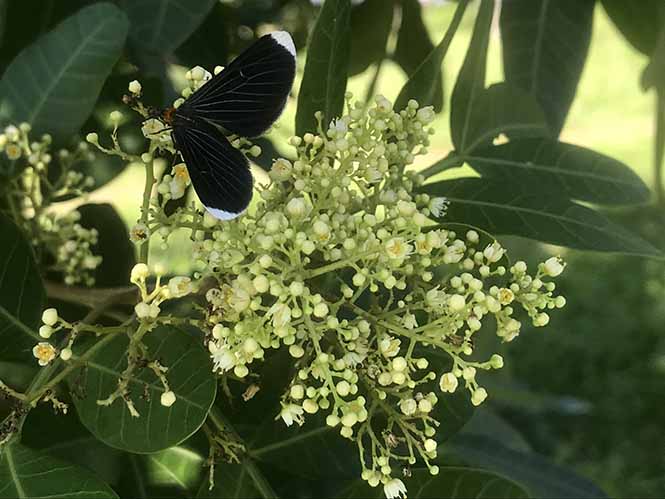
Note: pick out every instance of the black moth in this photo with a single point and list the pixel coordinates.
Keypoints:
(244, 99)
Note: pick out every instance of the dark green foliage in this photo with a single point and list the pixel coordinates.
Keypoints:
(190, 378)
(612, 331)
(54, 83)
(22, 294)
(545, 44)
(324, 81)
(113, 244)
(414, 45)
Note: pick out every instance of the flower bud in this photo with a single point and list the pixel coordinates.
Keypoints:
(167, 399)
(50, 316)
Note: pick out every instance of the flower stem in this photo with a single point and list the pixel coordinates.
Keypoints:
(145, 208)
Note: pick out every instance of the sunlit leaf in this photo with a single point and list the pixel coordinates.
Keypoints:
(502, 109)
(556, 167)
(504, 208)
(177, 466)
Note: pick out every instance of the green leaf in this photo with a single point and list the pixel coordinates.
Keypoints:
(504, 208)
(654, 73)
(190, 377)
(114, 246)
(471, 78)
(313, 451)
(22, 294)
(452, 482)
(161, 26)
(54, 83)
(237, 481)
(540, 477)
(211, 43)
(177, 466)
(27, 473)
(502, 108)
(425, 81)
(639, 23)
(324, 81)
(558, 168)
(414, 46)
(545, 44)
(371, 23)
(486, 422)
(72, 443)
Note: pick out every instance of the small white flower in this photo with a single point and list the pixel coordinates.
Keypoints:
(45, 331)
(222, 358)
(180, 286)
(143, 310)
(395, 489)
(297, 207)
(493, 252)
(66, 354)
(553, 266)
(338, 127)
(50, 316)
(479, 396)
(389, 346)
(167, 399)
(438, 206)
(426, 115)
(281, 315)
(291, 413)
(456, 303)
(409, 321)
(134, 87)
(398, 248)
(448, 383)
(281, 170)
(44, 352)
(139, 272)
(139, 233)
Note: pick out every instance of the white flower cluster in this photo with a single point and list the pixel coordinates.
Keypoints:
(32, 193)
(339, 262)
(148, 308)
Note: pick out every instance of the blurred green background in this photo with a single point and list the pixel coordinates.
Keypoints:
(588, 392)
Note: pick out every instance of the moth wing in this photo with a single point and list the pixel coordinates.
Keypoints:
(250, 93)
(219, 172)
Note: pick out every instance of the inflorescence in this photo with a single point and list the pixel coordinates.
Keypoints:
(340, 262)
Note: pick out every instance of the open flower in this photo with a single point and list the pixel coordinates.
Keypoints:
(44, 352)
(395, 489)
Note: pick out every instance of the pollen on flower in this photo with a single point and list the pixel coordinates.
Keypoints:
(44, 352)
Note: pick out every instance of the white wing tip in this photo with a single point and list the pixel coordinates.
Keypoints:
(284, 39)
(221, 214)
